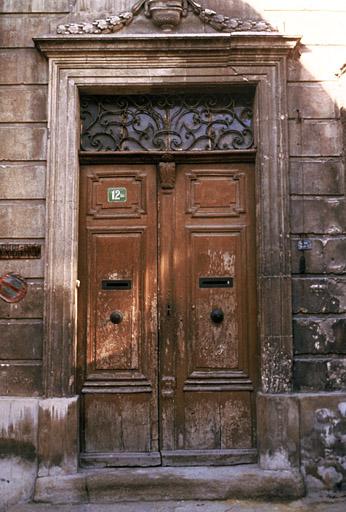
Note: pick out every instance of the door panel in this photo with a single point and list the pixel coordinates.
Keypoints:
(118, 275)
(217, 421)
(214, 254)
(213, 271)
(117, 423)
(115, 347)
(191, 337)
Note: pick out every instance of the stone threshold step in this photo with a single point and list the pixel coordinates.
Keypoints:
(169, 483)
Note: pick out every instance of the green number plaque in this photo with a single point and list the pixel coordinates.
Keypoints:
(117, 195)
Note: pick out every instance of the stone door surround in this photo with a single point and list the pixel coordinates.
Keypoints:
(119, 63)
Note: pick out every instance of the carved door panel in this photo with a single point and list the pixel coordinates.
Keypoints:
(208, 319)
(117, 315)
(173, 354)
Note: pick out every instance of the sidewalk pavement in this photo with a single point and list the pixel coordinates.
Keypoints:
(313, 504)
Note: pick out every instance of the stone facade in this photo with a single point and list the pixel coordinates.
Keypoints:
(314, 414)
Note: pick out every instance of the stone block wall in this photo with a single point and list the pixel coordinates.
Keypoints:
(23, 118)
(317, 186)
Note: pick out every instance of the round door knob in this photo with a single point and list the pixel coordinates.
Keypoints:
(217, 315)
(116, 317)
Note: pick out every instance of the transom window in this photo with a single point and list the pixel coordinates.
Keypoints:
(173, 122)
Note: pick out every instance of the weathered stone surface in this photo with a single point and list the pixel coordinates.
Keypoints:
(238, 8)
(312, 25)
(23, 378)
(277, 324)
(58, 436)
(278, 431)
(319, 335)
(319, 295)
(21, 339)
(166, 483)
(22, 180)
(318, 215)
(208, 19)
(22, 66)
(312, 100)
(29, 307)
(326, 256)
(276, 364)
(18, 436)
(18, 6)
(23, 142)
(319, 374)
(317, 176)
(343, 113)
(23, 103)
(18, 422)
(310, 374)
(316, 63)
(101, 5)
(315, 137)
(63, 489)
(17, 31)
(22, 219)
(28, 268)
(336, 374)
(303, 5)
(323, 430)
(334, 254)
(334, 502)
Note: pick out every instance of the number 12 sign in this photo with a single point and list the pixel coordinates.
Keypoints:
(117, 195)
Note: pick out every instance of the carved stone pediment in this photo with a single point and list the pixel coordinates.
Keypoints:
(166, 14)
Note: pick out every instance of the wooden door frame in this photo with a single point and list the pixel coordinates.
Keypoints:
(143, 63)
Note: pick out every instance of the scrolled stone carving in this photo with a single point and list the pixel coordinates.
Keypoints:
(166, 14)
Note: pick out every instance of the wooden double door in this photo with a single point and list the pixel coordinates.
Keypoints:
(167, 314)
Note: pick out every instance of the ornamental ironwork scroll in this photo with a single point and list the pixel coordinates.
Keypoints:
(198, 122)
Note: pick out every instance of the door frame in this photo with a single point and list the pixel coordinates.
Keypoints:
(143, 63)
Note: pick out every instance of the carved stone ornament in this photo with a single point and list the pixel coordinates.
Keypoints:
(167, 175)
(167, 15)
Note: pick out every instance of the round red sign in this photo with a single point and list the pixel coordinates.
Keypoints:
(13, 287)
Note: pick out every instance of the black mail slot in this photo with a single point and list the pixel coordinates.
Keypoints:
(216, 282)
(118, 284)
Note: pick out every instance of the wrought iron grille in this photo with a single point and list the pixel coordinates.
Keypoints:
(204, 122)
